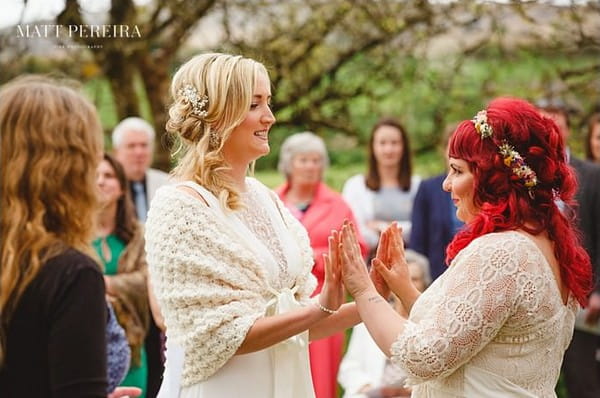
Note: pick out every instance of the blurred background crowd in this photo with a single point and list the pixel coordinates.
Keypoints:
(365, 95)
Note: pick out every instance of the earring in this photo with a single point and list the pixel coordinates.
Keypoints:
(213, 139)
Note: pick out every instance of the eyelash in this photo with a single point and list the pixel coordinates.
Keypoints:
(253, 106)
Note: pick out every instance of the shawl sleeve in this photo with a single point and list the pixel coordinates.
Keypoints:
(209, 286)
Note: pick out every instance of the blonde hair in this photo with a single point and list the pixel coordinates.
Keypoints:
(51, 141)
(228, 82)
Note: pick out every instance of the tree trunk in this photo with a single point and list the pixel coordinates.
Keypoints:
(120, 72)
(155, 76)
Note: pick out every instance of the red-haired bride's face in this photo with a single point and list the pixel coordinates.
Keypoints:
(459, 183)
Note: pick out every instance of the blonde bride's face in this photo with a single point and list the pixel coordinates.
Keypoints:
(250, 139)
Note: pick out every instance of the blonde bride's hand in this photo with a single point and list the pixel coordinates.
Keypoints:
(332, 295)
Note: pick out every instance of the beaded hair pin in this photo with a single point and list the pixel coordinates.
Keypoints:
(198, 101)
(512, 158)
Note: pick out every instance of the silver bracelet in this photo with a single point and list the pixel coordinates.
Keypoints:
(323, 308)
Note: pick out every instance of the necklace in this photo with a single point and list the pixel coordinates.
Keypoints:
(106, 253)
(302, 206)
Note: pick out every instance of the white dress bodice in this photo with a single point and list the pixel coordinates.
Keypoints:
(282, 370)
(492, 325)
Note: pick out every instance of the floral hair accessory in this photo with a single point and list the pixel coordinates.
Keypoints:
(481, 124)
(198, 101)
(511, 157)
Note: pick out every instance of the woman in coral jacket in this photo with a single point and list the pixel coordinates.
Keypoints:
(303, 159)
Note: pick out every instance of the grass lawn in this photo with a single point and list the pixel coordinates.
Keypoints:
(335, 176)
(427, 165)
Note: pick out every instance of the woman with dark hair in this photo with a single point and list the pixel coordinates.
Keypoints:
(517, 276)
(592, 142)
(387, 191)
(120, 245)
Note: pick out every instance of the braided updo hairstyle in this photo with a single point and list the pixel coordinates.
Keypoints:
(227, 83)
(505, 202)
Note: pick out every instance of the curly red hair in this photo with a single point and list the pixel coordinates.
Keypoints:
(505, 201)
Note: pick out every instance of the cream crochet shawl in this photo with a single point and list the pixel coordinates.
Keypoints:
(210, 286)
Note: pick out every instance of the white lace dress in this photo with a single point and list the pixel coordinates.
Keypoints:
(279, 371)
(493, 325)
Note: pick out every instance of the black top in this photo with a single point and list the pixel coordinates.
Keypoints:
(56, 340)
(588, 212)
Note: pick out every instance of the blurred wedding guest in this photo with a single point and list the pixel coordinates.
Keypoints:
(592, 142)
(580, 367)
(386, 193)
(230, 266)
(497, 322)
(119, 244)
(118, 353)
(53, 333)
(303, 160)
(434, 220)
(133, 146)
(365, 371)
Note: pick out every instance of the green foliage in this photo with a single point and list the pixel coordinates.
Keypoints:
(427, 96)
(98, 90)
(424, 95)
(345, 157)
(561, 388)
(271, 178)
(335, 177)
(40, 65)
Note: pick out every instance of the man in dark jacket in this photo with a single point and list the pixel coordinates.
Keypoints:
(580, 367)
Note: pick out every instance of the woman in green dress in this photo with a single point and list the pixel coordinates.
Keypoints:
(120, 245)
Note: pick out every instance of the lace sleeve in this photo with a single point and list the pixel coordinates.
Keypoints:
(458, 316)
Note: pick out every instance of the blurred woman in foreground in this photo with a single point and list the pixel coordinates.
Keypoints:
(52, 303)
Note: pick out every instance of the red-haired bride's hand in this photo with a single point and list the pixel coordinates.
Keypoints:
(392, 264)
(381, 256)
(354, 272)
